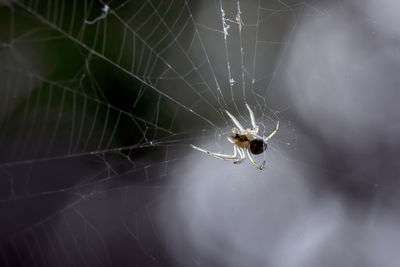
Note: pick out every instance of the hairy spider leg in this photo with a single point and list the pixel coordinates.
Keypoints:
(260, 167)
(235, 121)
(223, 156)
(253, 121)
(274, 132)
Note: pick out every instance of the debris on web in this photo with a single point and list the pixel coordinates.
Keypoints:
(104, 13)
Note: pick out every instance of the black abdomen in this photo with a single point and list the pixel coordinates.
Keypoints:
(258, 146)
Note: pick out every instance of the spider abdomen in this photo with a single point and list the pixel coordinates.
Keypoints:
(257, 146)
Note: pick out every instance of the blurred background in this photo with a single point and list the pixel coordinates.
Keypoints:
(100, 100)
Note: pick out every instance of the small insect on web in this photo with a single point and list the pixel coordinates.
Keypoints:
(245, 141)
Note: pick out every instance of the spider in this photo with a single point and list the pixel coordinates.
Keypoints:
(244, 141)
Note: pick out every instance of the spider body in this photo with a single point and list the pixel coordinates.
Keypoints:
(244, 141)
(256, 145)
(241, 140)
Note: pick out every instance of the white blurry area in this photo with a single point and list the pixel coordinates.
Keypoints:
(233, 215)
(342, 72)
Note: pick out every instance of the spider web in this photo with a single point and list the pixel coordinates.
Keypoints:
(99, 103)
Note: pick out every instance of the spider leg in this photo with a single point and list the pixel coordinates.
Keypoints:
(274, 132)
(219, 155)
(260, 167)
(253, 121)
(235, 121)
(242, 155)
(231, 139)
